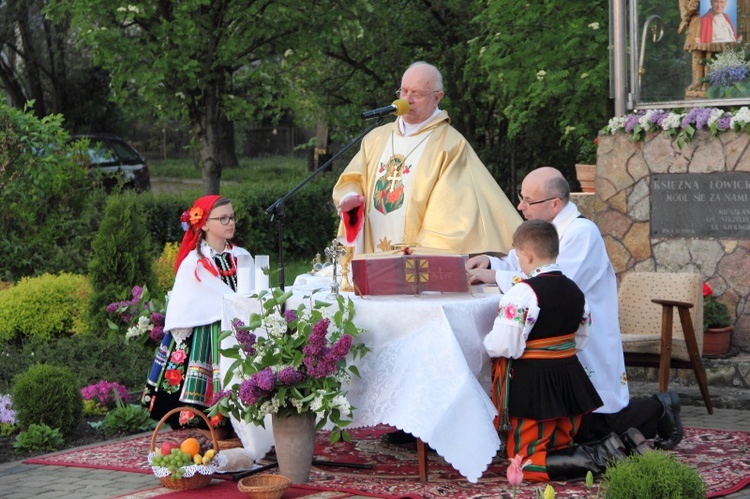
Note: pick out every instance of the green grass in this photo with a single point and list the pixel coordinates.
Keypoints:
(265, 170)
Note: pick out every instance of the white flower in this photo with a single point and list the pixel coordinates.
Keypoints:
(180, 95)
(275, 324)
(342, 404)
(541, 74)
(594, 26)
(616, 124)
(741, 118)
(584, 75)
(568, 129)
(133, 8)
(672, 121)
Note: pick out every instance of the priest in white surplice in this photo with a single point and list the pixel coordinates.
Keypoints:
(417, 181)
(545, 195)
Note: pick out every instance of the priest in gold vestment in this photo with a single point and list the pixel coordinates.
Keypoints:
(417, 181)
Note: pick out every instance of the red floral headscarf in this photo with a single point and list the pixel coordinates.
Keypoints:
(192, 221)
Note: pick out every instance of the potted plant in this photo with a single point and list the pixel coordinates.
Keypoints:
(294, 365)
(586, 165)
(717, 324)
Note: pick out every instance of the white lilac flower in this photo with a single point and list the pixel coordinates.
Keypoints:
(541, 74)
(741, 118)
(275, 325)
(342, 404)
(671, 121)
(594, 26)
(133, 332)
(317, 403)
(616, 124)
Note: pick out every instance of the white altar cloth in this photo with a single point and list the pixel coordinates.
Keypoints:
(426, 373)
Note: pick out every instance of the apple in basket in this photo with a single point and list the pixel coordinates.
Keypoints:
(168, 445)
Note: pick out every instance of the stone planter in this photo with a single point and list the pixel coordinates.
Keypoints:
(716, 341)
(586, 175)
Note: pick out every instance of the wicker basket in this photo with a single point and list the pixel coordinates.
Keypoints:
(267, 486)
(185, 483)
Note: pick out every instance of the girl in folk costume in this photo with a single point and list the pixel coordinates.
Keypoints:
(186, 367)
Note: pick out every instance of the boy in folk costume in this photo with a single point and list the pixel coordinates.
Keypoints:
(539, 386)
(186, 367)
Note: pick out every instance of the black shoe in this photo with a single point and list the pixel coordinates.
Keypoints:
(398, 437)
(635, 442)
(576, 461)
(669, 428)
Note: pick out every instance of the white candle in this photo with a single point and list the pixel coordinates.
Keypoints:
(261, 267)
(244, 274)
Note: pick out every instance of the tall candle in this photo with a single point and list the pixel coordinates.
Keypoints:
(244, 274)
(261, 267)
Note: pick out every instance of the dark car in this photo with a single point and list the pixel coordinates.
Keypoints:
(117, 162)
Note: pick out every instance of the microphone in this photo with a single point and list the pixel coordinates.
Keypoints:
(399, 107)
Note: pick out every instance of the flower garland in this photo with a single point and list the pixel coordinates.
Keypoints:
(679, 124)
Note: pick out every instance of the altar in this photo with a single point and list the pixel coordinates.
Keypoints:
(426, 373)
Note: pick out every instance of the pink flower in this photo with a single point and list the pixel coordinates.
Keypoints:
(178, 356)
(707, 290)
(510, 311)
(515, 470)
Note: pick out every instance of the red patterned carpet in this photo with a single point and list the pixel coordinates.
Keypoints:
(721, 457)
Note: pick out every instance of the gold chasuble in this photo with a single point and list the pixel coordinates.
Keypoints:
(429, 189)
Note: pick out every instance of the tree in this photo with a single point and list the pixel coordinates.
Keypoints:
(39, 65)
(209, 63)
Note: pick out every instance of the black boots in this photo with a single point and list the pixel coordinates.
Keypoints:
(574, 462)
(669, 428)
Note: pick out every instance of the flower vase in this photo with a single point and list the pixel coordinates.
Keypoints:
(294, 438)
(716, 341)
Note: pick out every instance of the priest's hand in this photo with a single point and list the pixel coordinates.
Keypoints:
(478, 262)
(482, 276)
(350, 202)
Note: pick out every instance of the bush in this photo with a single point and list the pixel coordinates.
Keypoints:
(90, 357)
(49, 208)
(654, 475)
(39, 437)
(126, 419)
(47, 394)
(44, 307)
(122, 257)
(164, 268)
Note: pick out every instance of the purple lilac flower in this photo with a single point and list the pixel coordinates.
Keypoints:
(249, 392)
(657, 117)
(724, 123)
(341, 347)
(630, 122)
(157, 318)
(137, 292)
(265, 379)
(290, 316)
(236, 324)
(697, 116)
(246, 339)
(157, 333)
(7, 414)
(112, 307)
(728, 76)
(289, 376)
(221, 394)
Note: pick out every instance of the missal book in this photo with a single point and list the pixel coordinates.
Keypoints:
(409, 273)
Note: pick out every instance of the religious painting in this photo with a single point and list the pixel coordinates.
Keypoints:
(690, 53)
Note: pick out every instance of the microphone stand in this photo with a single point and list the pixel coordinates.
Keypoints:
(276, 210)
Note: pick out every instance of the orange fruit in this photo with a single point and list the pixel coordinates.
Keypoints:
(190, 446)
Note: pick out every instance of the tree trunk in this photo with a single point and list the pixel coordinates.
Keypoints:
(227, 149)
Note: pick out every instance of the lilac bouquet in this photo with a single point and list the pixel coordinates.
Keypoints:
(293, 363)
(7, 416)
(727, 73)
(141, 314)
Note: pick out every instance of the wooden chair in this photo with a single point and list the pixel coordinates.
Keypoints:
(650, 337)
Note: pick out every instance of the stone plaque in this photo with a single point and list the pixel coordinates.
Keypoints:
(701, 205)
